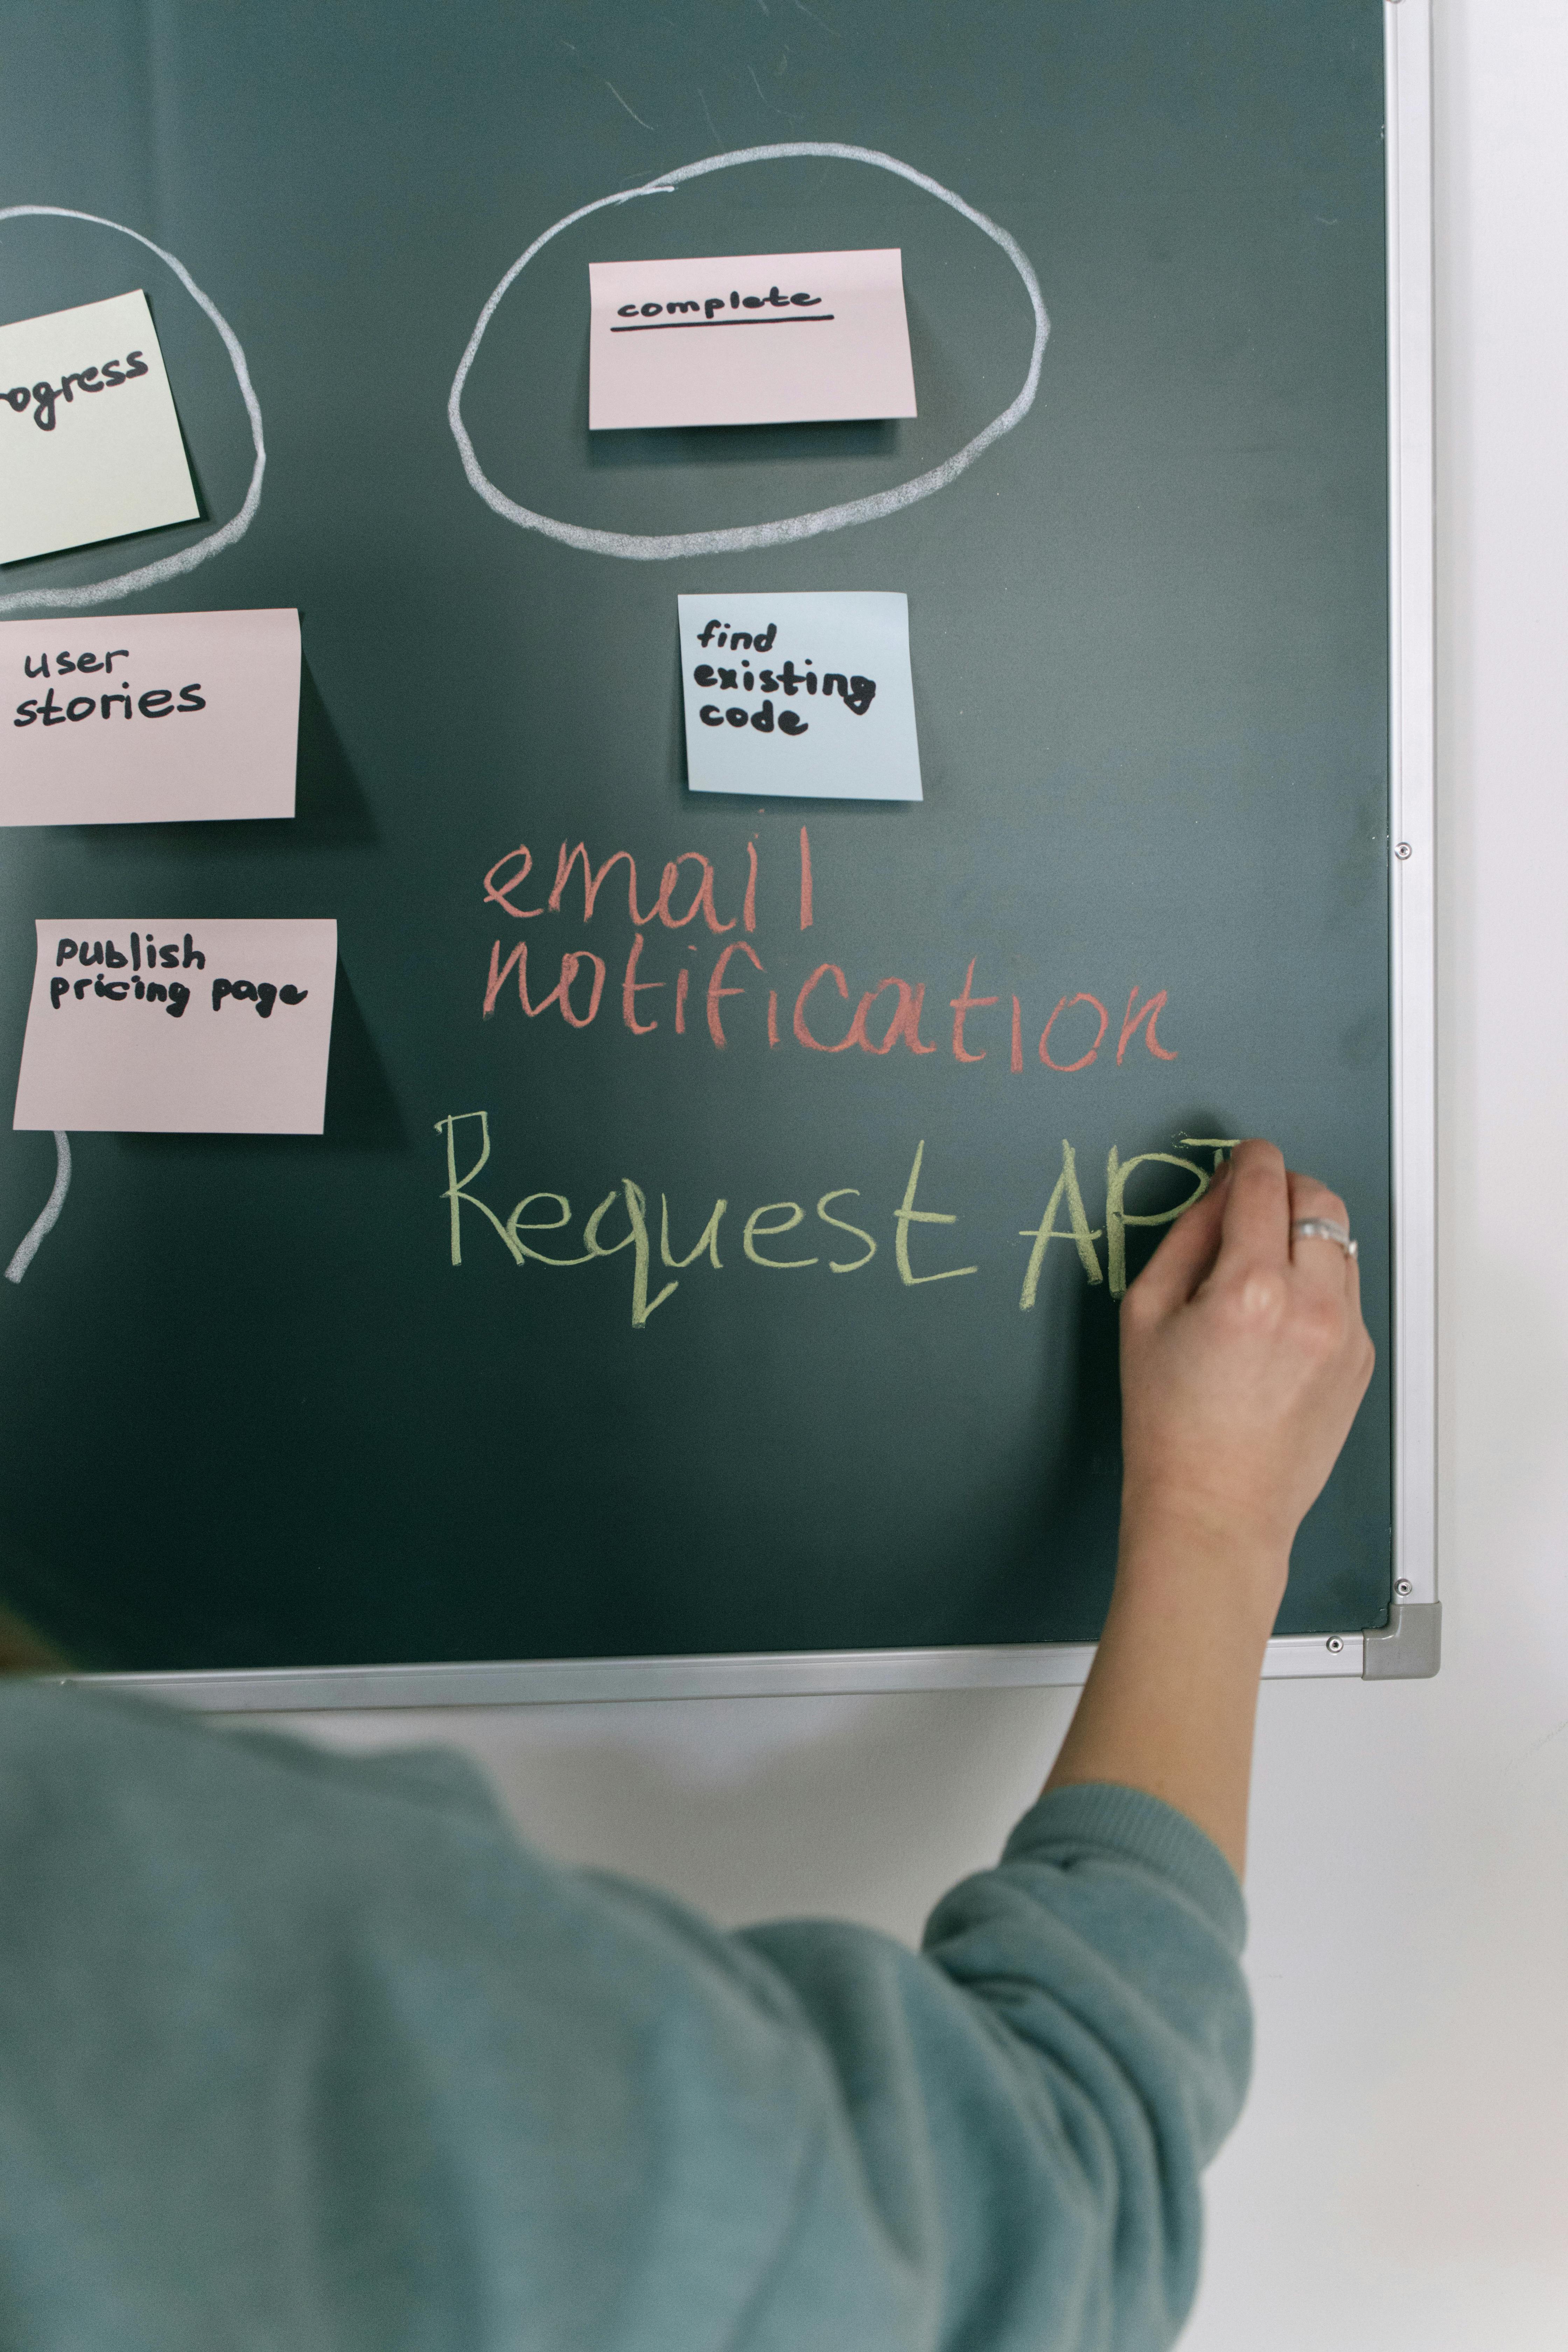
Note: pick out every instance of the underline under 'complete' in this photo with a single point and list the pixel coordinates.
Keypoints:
(658, 326)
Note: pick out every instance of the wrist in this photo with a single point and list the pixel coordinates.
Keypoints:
(1191, 1556)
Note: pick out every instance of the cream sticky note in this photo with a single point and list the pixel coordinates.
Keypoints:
(807, 695)
(170, 1026)
(747, 338)
(149, 718)
(90, 444)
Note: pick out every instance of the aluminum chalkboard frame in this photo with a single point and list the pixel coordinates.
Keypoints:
(1409, 1644)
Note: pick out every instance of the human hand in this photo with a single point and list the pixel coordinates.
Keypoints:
(1244, 1358)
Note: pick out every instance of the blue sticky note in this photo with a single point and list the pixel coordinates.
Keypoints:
(800, 695)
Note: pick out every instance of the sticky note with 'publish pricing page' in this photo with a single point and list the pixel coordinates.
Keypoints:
(149, 719)
(89, 443)
(802, 695)
(170, 1026)
(747, 338)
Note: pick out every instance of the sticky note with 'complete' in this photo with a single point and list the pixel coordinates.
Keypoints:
(747, 338)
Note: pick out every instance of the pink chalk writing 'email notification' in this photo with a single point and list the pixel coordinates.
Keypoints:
(172, 1025)
(747, 338)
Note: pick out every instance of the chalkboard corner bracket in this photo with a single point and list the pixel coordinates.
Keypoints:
(1409, 1648)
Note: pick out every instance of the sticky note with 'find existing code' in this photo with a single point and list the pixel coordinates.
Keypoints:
(802, 695)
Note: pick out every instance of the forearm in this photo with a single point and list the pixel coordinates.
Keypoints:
(1171, 1696)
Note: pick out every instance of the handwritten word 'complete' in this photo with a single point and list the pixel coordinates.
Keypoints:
(799, 308)
(761, 1229)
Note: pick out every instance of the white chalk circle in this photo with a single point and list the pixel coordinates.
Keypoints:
(647, 547)
(44, 1221)
(166, 567)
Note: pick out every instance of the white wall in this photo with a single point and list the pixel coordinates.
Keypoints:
(1400, 2182)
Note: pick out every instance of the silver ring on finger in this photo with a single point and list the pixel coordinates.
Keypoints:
(1324, 1229)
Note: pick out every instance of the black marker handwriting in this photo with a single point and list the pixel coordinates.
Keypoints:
(156, 702)
(41, 397)
(650, 316)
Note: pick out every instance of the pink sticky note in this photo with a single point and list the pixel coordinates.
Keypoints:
(171, 1025)
(749, 339)
(148, 718)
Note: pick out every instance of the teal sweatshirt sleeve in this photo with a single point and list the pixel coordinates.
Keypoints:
(303, 2051)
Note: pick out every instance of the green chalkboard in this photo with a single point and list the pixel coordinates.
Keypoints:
(254, 1413)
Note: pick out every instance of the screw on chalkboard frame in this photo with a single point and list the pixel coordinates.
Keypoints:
(1403, 849)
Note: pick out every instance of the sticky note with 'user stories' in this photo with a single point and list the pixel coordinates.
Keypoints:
(89, 443)
(747, 338)
(170, 1026)
(149, 717)
(803, 696)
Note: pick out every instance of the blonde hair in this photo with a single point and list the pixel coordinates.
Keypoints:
(24, 1652)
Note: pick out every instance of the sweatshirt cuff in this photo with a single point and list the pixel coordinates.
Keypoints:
(1097, 1821)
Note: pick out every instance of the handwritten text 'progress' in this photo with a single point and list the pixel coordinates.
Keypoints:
(41, 397)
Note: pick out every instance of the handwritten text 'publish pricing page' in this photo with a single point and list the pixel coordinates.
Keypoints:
(151, 718)
(175, 1027)
(808, 695)
(90, 444)
(749, 339)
